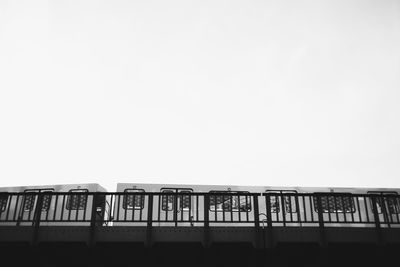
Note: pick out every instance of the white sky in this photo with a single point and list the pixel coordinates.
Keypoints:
(246, 92)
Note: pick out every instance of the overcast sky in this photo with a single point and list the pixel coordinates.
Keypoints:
(248, 92)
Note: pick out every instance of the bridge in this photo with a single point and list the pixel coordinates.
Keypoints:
(214, 229)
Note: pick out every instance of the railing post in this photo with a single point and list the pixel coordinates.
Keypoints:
(206, 221)
(376, 220)
(36, 220)
(175, 207)
(149, 222)
(92, 237)
(269, 221)
(257, 220)
(321, 221)
(385, 209)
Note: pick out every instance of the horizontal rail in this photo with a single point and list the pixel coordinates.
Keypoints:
(200, 209)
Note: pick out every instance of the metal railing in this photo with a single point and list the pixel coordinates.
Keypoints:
(200, 209)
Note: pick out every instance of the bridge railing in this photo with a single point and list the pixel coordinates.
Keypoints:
(200, 209)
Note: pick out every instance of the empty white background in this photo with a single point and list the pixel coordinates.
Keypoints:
(247, 92)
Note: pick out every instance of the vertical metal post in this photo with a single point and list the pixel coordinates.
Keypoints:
(150, 221)
(321, 222)
(257, 221)
(283, 205)
(269, 222)
(377, 221)
(175, 207)
(92, 237)
(36, 221)
(206, 221)
(385, 209)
